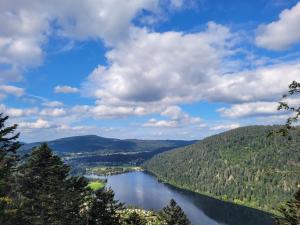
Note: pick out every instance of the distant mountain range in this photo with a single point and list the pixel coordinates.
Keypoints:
(92, 149)
(93, 143)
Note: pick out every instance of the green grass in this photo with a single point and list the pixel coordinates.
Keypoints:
(96, 185)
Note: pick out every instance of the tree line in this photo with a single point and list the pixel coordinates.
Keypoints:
(37, 189)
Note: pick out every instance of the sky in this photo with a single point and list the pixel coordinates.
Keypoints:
(146, 69)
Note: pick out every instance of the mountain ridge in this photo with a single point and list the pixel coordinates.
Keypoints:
(242, 165)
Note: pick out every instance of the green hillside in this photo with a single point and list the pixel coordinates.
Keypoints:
(242, 165)
(91, 150)
(96, 144)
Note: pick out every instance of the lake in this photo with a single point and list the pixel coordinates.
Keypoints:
(143, 190)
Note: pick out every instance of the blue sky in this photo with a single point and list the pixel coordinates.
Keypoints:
(148, 69)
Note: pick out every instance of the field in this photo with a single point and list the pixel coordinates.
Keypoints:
(96, 185)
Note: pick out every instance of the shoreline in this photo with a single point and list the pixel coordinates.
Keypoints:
(273, 213)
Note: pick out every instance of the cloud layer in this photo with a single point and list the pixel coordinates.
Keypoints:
(283, 33)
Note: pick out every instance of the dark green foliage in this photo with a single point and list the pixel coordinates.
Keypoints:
(47, 194)
(241, 165)
(135, 219)
(174, 215)
(290, 212)
(8, 160)
(104, 210)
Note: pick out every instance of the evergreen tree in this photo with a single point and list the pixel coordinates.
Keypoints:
(75, 197)
(135, 219)
(8, 161)
(290, 212)
(174, 215)
(104, 209)
(47, 194)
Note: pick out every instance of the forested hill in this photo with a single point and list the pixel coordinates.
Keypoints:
(93, 143)
(241, 165)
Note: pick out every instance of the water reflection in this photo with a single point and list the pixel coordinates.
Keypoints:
(143, 190)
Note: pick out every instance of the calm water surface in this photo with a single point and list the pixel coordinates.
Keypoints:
(143, 190)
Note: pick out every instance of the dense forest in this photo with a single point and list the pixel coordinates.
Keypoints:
(244, 165)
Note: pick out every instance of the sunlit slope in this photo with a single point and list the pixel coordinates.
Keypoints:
(242, 165)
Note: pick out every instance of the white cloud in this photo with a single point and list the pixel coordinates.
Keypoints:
(282, 33)
(261, 84)
(18, 112)
(177, 118)
(22, 34)
(161, 123)
(250, 109)
(26, 26)
(175, 68)
(53, 104)
(38, 124)
(224, 127)
(169, 67)
(258, 109)
(53, 112)
(9, 89)
(103, 111)
(66, 89)
(109, 20)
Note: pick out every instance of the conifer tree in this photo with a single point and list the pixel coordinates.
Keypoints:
(291, 212)
(48, 194)
(104, 210)
(174, 215)
(8, 160)
(76, 196)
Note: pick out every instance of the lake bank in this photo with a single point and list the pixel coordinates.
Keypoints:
(112, 170)
(237, 202)
(143, 190)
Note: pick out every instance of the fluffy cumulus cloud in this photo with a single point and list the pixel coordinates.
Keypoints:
(259, 109)
(282, 33)
(22, 34)
(27, 24)
(266, 83)
(18, 112)
(170, 67)
(176, 118)
(38, 124)
(250, 109)
(146, 72)
(175, 68)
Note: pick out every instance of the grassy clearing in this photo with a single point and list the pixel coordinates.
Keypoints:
(96, 185)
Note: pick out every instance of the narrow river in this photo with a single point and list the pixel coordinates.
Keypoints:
(143, 190)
